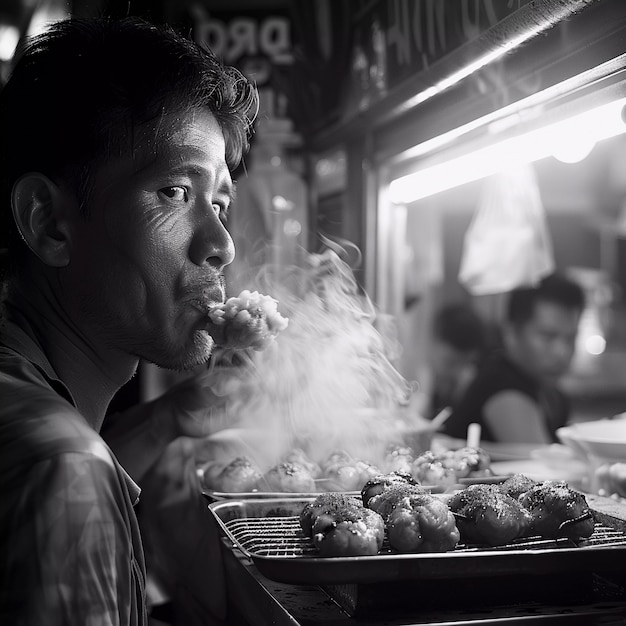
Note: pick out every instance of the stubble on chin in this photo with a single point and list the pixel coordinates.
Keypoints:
(185, 360)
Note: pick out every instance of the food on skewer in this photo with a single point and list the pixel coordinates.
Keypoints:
(517, 485)
(415, 520)
(485, 515)
(340, 525)
(428, 469)
(421, 523)
(344, 472)
(289, 478)
(367, 471)
(446, 468)
(334, 458)
(385, 502)
(399, 459)
(611, 479)
(238, 476)
(323, 503)
(558, 511)
(249, 320)
(468, 461)
(344, 478)
(298, 455)
(382, 482)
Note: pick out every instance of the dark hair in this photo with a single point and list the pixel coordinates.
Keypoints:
(458, 325)
(555, 289)
(80, 89)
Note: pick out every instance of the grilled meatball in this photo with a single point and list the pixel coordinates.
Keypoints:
(381, 482)
(517, 485)
(429, 469)
(238, 476)
(340, 525)
(323, 504)
(288, 477)
(344, 477)
(558, 511)
(298, 455)
(399, 459)
(486, 515)
(367, 471)
(421, 523)
(384, 503)
(468, 461)
(336, 457)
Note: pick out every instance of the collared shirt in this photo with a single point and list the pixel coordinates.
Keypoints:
(70, 549)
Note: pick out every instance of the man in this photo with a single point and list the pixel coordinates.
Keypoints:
(515, 395)
(118, 142)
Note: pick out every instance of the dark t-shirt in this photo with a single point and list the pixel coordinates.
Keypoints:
(496, 374)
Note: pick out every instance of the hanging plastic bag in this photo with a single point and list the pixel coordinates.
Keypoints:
(507, 244)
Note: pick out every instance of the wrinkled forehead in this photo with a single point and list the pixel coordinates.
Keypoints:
(159, 138)
(193, 142)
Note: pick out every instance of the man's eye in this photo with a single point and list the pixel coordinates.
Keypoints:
(178, 194)
(221, 211)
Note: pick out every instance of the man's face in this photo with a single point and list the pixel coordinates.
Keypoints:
(545, 344)
(148, 261)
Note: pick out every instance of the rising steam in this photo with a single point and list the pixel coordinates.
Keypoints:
(327, 382)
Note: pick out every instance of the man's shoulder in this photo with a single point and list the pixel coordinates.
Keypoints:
(34, 418)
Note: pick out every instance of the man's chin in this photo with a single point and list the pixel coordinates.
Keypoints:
(198, 354)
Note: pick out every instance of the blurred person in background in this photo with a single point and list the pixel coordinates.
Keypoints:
(515, 396)
(459, 341)
(118, 143)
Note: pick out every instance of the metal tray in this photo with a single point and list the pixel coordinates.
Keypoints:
(268, 533)
(323, 486)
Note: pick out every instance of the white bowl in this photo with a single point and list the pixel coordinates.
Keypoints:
(601, 439)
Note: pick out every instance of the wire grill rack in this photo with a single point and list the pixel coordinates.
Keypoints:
(282, 537)
(267, 531)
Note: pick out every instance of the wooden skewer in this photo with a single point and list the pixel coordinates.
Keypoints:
(473, 435)
(437, 422)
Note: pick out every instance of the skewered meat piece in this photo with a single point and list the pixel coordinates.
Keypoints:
(336, 457)
(249, 320)
(340, 525)
(486, 515)
(421, 523)
(384, 503)
(288, 477)
(298, 455)
(468, 461)
(446, 468)
(517, 485)
(611, 479)
(238, 476)
(381, 482)
(324, 504)
(399, 459)
(344, 477)
(367, 471)
(558, 511)
(429, 469)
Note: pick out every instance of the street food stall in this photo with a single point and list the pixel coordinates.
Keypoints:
(431, 88)
(363, 513)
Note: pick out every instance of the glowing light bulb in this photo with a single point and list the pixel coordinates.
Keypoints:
(595, 344)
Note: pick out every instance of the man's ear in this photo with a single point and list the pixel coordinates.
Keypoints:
(40, 212)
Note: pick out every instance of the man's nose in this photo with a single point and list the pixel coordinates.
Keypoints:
(213, 245)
